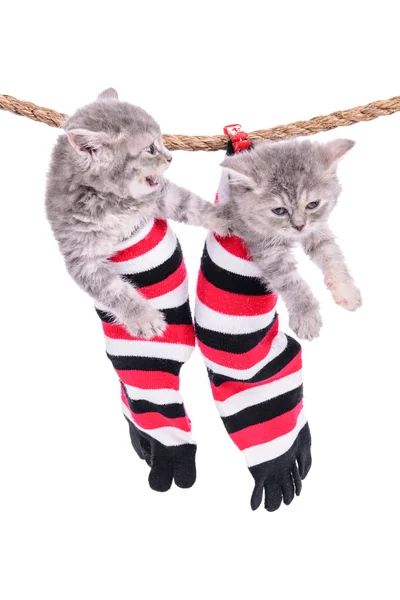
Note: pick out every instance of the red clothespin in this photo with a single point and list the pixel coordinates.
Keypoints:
(238, 137)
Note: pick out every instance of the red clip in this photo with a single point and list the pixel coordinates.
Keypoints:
(238, 137)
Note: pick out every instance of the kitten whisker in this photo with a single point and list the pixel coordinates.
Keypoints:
(323, 234)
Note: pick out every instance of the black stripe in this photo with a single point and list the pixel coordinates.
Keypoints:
(272, 368)
(231, 282)
(141, 363)
(260, 413)
(159, 273)
(180, 315)
(235, 343)
(171, 411)
(229, 148)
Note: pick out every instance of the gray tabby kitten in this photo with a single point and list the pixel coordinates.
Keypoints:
(280, 194)
(105, 181)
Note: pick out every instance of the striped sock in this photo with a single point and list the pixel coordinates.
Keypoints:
(254, 371)
(148, 370)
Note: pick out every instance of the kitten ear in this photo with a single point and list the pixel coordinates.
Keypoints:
(85, 141)
(108, 94)
(238, 172)
(336, 149)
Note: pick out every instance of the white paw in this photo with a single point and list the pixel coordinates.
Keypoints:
(222, 229)
(345, 294)
(221, 224)
(148, 323)
(306, 325)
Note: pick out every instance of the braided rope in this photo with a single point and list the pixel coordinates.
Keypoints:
(340, 118)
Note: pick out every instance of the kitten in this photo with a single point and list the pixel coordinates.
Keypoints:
(280, 194)
(105, 181)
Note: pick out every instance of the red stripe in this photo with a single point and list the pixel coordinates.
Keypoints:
(268, 431)
(150, 241)
(234, 245)
(174, 334)
(167, 285)
(229, 303)
(149, 380)
(229, 388)
(153, 420)
(245, 360)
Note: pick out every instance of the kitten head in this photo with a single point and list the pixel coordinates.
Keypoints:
(116, 147)
(288, 188)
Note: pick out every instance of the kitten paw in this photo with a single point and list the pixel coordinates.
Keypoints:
(221, 224)
(148, 323)
(222, 229)
(345, 294)
(306, 325)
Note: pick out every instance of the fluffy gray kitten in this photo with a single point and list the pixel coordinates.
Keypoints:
(105, 181)
(280, 194)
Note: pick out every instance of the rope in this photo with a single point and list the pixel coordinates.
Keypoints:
(339, 118)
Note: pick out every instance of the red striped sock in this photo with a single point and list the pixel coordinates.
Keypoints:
(254, 370)
(149, 370)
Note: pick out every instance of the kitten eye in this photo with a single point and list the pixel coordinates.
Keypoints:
(279, 211)
(312, 205)
(150, 149)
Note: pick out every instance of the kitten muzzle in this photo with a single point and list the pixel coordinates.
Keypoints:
(152, 181)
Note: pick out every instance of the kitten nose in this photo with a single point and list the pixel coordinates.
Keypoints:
(299, 227)
(169, 158)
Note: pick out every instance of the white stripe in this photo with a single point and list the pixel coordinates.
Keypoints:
(175, 298)
(256, 395)
(179, 352)
(270, 450)
(153, 258)
(169, 436)
(210, 319)
(278, 346)
(136, 237)
(230, 262)
(172, 299)
(160, 396)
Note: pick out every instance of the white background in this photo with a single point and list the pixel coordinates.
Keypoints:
(77, 519)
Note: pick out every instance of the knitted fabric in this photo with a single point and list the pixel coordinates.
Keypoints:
(148, 370)
(255, 370)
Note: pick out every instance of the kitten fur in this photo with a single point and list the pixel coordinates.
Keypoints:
(289, 177)
(105, 181)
